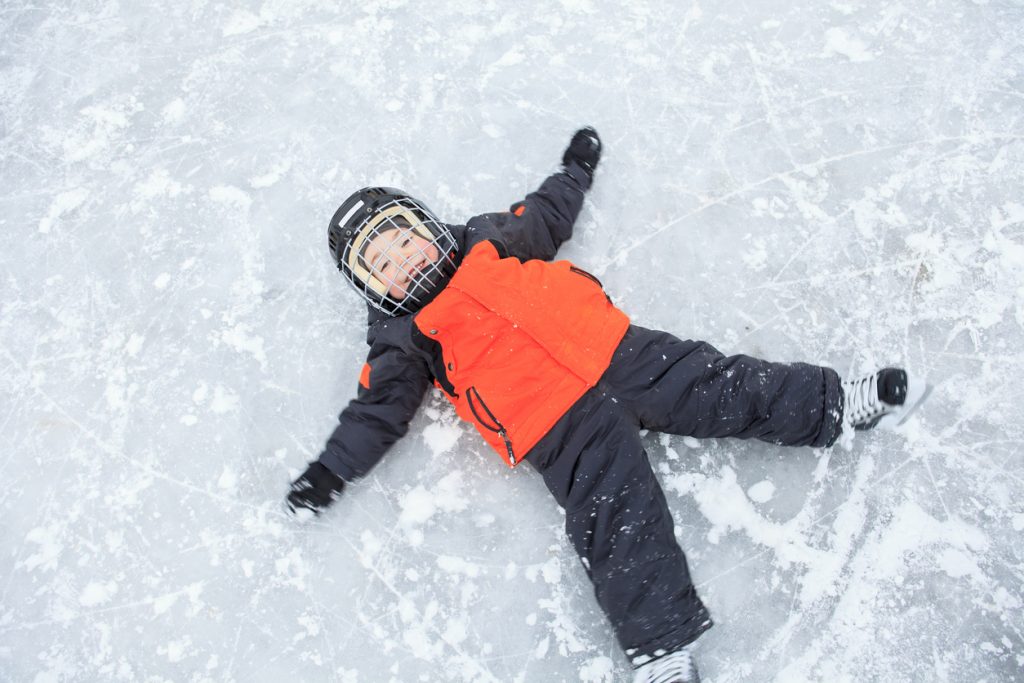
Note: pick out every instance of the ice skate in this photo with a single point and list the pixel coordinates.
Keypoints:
(884, 399)
(675, 667)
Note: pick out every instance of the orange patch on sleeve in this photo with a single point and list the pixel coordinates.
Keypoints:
(520, 210)
(364, 376)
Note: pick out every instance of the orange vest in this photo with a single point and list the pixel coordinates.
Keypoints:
(521, 342)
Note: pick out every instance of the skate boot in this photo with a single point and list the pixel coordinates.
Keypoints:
(885, 399)
(675, 667)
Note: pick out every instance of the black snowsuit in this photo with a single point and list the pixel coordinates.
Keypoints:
(592, 460)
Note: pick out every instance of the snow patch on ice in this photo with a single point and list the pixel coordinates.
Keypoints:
(493, 131)
(600, 669)
(457, 565)
(228, 479)
(420, 504)
(955, 563)
(272, 176)
(231, 196)
(48, 539)
(441, 438)
(723, 502)
(761, 492)
(97, 593)
(240, 338)
(224, 401)
(157, 184)
(839, 42)
(173, 111)
(63, 204)
(756, 257)
(242, 21)
(880, 566)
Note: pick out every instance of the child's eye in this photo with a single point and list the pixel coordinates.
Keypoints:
(406, 242)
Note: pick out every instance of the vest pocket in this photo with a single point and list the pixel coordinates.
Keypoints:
(494, 425)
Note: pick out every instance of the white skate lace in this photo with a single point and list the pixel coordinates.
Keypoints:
(862, 403)
(675, 667)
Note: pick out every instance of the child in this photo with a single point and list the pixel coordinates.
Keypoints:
(548, 370)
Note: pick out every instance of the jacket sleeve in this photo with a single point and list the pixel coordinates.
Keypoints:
(535, 227)
(391, 388)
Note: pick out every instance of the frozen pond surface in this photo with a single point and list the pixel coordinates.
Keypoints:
(830, 182)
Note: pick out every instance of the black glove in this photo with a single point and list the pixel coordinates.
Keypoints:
(584, 149)
(314, 490)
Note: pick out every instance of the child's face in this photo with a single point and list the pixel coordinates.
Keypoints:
(396, 256)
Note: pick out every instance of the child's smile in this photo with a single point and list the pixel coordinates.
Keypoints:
(395, 257)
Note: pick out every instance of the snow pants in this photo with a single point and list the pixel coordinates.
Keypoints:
(616, 515)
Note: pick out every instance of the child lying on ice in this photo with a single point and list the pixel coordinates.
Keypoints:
(548, 370)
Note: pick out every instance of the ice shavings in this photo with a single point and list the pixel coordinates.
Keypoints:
(457, 565)
(243, 21)
(98, 130)
(839, 42)
(822, 578)
(176, 650)
(421, 504)
(174, 111)
(241, 338)
(761, 492)
(441, 438)
(723, 502)
(49, 547)
(97, 593)
(757, 255)
(292, 567)
(912, 540)
(228, 480)
(63, 204)
(272, 176)
(600, 669)
(157, 184)
(231, 196)
(163, 603)
(957, 564)
(224, 400)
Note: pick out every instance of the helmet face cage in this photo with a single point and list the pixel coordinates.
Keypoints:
(412, 251)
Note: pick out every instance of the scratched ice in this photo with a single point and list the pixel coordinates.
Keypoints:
(830, 182)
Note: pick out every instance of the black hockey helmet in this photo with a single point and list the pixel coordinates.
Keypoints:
(413, 253)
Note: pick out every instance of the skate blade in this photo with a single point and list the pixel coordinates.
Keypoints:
(917, 391)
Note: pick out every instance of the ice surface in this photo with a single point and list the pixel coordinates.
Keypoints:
(838, 183)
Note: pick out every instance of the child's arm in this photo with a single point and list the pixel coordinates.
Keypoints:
(391, 388)
(535, 227)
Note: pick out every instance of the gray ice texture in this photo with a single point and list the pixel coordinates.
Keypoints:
(832, 182)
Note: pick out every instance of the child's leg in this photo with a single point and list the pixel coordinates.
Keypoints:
(619, 523)
(689, 388)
